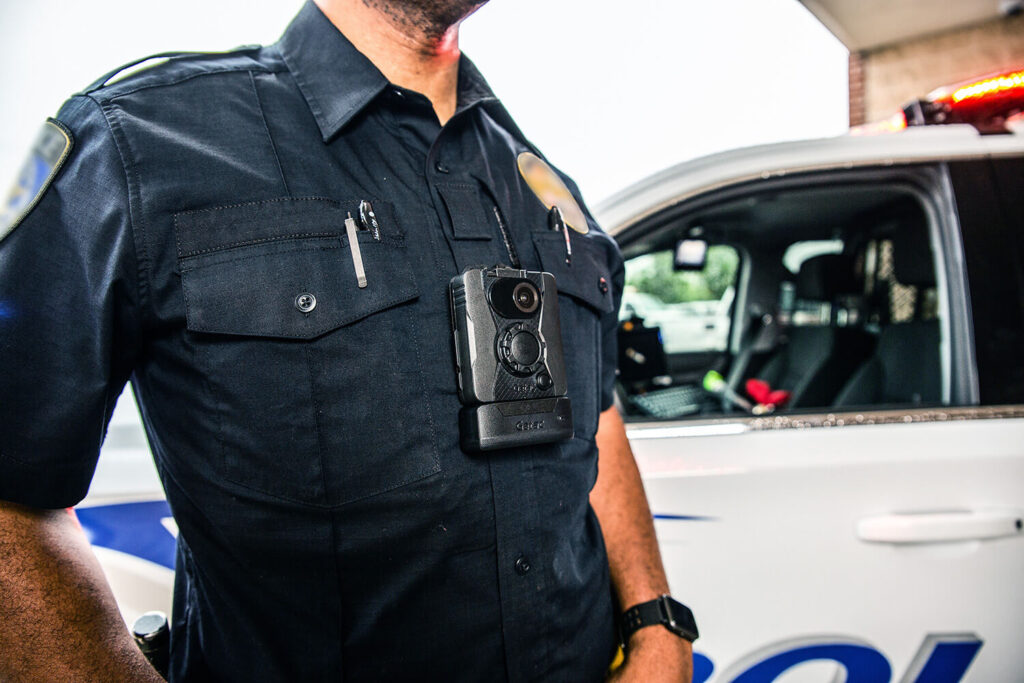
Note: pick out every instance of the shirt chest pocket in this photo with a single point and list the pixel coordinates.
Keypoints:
(584, 289)
(310, 373)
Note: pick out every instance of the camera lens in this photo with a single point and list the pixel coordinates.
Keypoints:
(526, 297)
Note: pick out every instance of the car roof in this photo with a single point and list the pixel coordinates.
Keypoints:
(698, 176)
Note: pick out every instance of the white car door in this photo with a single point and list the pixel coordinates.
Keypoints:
(892, 548)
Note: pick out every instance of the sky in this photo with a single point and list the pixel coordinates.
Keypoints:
(610, 91)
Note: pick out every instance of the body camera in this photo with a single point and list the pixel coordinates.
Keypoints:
(508, 355)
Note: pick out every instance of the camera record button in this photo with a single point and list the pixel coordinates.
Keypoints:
(525, 348)
(543, 381)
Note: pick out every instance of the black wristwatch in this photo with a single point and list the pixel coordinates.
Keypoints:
(672, 614)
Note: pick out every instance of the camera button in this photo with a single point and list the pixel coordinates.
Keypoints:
(543, 381)
(525, 348)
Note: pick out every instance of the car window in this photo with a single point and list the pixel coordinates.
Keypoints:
(838, 308)
(691, 308)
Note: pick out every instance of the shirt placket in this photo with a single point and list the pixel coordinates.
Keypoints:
(521, 564)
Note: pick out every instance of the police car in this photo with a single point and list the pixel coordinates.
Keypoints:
(839, 484)
(837, 471)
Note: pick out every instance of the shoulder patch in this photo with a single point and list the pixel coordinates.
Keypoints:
(50, 150)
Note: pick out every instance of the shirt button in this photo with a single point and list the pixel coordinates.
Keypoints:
(441, 168)
(522, 565)
(305, 302)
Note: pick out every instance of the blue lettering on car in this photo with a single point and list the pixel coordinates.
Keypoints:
(942, 658)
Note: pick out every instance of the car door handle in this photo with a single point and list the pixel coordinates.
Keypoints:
(940, 527)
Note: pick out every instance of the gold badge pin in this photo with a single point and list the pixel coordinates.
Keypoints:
(551, 191)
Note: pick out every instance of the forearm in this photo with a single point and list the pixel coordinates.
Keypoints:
(620, 503)
(58, 617)
(637, 573)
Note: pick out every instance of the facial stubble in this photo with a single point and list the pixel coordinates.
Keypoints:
(428, 18)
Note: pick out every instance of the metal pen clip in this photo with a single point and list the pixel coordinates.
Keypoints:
(369, 219)
(556, 221)
(357, 256)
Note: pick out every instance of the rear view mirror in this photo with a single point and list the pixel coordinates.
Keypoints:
(690, 255)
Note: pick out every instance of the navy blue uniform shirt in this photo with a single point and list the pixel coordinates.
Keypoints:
(331, 528)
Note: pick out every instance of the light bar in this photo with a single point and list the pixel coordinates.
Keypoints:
(989, 86)
(985, 103)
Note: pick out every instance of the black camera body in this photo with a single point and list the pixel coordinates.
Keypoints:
(508, 356)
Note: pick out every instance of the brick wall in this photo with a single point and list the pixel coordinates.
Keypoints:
(884, 79)
(858, 106)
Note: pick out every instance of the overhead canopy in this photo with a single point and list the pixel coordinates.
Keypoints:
(868, 24)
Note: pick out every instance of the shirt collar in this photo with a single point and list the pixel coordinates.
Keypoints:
(472, 88)
(338, 81)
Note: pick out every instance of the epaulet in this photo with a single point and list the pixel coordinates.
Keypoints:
(159, 58)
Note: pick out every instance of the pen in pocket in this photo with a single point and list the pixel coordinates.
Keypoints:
(369, 219)
(557, 223)
(357, 256)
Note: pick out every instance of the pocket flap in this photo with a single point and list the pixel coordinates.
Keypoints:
(469, 221)
(287, 272)
(587, 278)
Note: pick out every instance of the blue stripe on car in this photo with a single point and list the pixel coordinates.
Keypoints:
(132, 528)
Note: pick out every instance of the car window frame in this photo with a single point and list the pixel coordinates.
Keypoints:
(929, 184)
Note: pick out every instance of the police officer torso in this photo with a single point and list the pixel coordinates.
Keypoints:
(306, 427)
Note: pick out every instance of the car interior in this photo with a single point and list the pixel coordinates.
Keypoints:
(805, 299)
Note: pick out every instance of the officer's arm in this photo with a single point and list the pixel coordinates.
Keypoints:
(654, 654)
(69, 334)
(58, 618)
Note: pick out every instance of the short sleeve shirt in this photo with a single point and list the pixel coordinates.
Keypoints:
(306, 428)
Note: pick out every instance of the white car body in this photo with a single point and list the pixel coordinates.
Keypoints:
(868, 546)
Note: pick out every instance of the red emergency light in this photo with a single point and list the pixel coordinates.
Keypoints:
(1002, 84)
(986, 104)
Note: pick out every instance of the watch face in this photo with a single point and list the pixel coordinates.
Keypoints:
(679, 619)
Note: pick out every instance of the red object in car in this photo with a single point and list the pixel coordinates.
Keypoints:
(761, 391)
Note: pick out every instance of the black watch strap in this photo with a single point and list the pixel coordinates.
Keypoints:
(664, 611)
